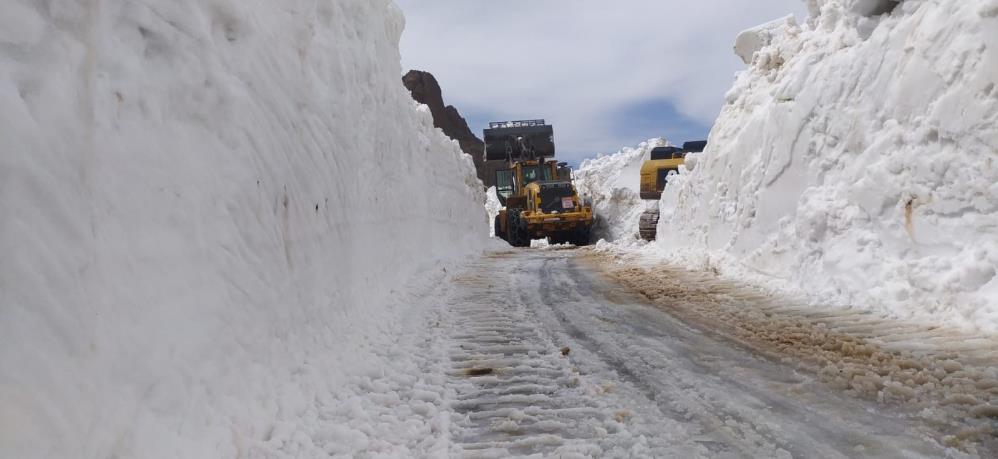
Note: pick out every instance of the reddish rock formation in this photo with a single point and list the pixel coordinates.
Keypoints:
(426, 90)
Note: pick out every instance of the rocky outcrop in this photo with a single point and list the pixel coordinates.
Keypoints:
(426, 90)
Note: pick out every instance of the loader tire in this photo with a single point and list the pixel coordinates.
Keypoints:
(581, 237)
(517, 230)
(498, 228)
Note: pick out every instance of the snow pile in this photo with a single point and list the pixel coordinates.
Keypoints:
(855, 157)
(206, 208)
(492, 207)
(753, 40)
(612, 182)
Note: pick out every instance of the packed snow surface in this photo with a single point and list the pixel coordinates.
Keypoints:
(572, 366)
(856, 158)
(613, 183)
(208, 210)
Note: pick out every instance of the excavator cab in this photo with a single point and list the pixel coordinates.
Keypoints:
(655, 172)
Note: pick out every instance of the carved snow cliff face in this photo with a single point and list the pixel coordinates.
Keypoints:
(856, 156)
(205, 208)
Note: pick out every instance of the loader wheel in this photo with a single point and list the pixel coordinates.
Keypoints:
(512, 217)
(517, 230)
(495, 224)
(581, 237)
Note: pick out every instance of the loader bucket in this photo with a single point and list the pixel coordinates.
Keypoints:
(516, 140)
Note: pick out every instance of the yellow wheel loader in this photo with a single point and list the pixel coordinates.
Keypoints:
(655, 173)
(538, 197)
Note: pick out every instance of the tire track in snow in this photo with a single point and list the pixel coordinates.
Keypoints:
(637, 382)
(516, 394)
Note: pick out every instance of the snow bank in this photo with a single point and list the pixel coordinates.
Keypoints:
(855, 157)
(206, 208)
(753, 40)
(613, 184)
(492, 207)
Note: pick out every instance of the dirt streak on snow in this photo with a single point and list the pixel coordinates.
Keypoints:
(940, 374)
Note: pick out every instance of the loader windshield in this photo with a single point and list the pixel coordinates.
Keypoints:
(534, 173)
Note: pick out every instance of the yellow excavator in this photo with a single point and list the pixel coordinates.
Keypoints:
(664, 161)
(538, 197)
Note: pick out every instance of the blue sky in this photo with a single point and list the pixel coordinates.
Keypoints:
(605, 74)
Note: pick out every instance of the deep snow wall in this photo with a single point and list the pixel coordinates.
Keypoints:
(856, 158)
(205, 208)
(613, 183)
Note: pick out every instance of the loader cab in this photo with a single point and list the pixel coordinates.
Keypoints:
(504, 185)
(536, 173)
(510, 182)
(564, 171)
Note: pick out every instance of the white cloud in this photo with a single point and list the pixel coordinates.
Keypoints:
(579, 63)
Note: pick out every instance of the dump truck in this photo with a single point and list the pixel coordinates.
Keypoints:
(654, 177)
(539, 199)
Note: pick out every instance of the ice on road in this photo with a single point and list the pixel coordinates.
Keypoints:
(541, 355)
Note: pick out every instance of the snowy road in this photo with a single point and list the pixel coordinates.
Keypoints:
(544, 356)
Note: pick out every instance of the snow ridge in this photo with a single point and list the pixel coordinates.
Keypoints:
(855, 157)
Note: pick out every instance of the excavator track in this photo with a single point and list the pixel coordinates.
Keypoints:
(648, 224)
